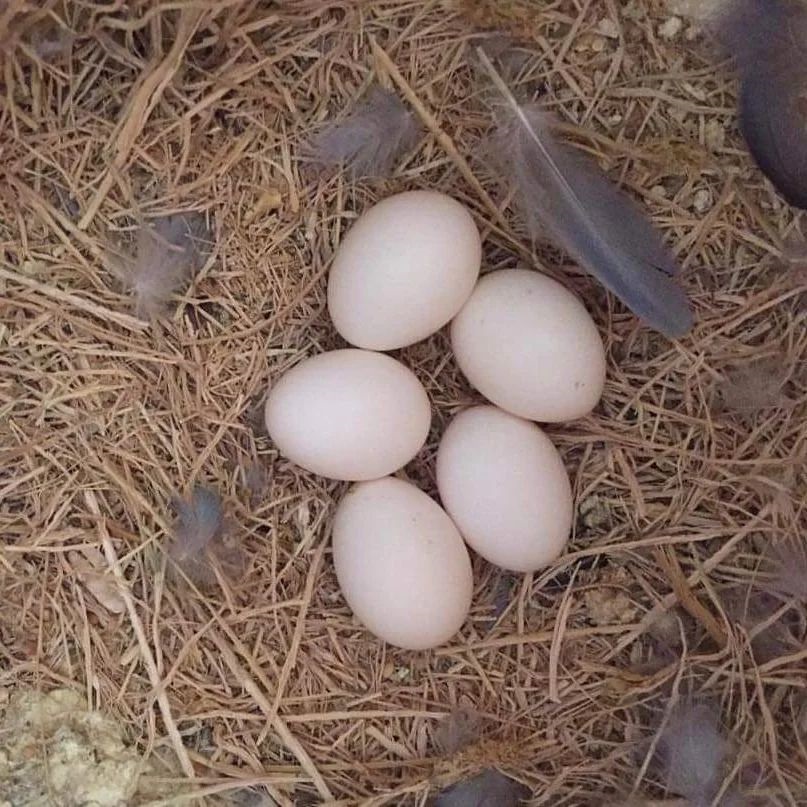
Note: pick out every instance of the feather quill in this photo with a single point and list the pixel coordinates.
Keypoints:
(489, 789)
(589, 217)
(370, 140)
(168, 252)
(768, 41)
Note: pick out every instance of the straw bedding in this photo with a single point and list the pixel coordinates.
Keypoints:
(688, 472)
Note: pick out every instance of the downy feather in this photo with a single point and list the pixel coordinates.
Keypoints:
(198, 544)
(371, 139)
(589, 217)
(693, 753)
(751, 388)
(200, 520)
(788, 563)
(489, 789)
(768, 41)
(458, 730)
(168, 252)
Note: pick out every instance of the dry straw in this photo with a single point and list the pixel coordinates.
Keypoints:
(116, 113)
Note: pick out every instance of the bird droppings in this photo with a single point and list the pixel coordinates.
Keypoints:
(53, 744)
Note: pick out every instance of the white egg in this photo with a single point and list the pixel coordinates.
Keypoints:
(401, 564)
(529, 346)
(403, 270)
(349, 414)
(505, 486)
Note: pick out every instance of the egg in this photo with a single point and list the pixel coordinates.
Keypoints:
(401, 564)
(403, 270)
(504, 484)
(529, 346)
(349, 414)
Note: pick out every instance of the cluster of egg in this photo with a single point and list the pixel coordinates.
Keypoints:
(406, 268)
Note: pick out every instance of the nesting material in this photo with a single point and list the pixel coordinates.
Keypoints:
(271, 684)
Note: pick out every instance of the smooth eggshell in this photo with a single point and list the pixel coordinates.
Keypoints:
(529, 346)
(401, 564)
(505, 486)
(403, 270)
(349, 414)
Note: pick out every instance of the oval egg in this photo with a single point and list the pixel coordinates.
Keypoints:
(349, 414)
(504, 484)
(401, 564)
(529, 346)
(403, 270)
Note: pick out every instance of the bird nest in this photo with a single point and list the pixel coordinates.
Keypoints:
(259, 684)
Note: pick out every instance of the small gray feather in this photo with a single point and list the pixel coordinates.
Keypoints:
(200, 546)
(168, 252)
(370, 141)
(693, 752)
(199, 521)
(489, 789)
(788, 563)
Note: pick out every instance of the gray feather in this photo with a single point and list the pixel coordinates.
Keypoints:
(768, 40)
(589, 217)
(199, 543)
(168, 252)
(458, 730)
(489, 789)
(693, 753)
(788, 562)
(200, 520)
(370, 140)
